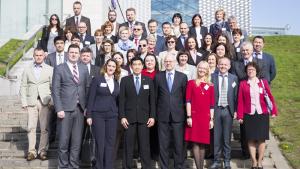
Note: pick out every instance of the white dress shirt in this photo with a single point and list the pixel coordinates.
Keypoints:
(110, 82)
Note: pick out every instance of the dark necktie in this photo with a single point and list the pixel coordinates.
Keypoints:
(137, 84)
(77, 21)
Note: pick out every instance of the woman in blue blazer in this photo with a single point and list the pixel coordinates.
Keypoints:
(102, 112)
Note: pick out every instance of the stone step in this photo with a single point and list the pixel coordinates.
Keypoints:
(12, 128)
(52, 153)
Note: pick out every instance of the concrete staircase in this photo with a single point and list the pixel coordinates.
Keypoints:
(14, 143)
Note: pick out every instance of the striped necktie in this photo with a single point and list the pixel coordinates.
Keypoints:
(75, 74)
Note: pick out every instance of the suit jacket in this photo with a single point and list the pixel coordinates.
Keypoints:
(95, 51)
(31, 87)
(179, 46)
(65, 91)
(88, 40)
(136, 107)
(215, 29)
(144, 35)
(45, 37)
(199, 57)
(101, 100)
(70, 22)
(231, 91)
(94, 71)
(269, 69)
(113, 38)
(160, 45)
(244, 100)
(51, 59)
(238, 69)
(203, 32)
(170, 104)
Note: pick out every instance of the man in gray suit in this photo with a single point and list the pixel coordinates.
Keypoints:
(226, 86)
(58, 57)
(35, 97)
(69, 96)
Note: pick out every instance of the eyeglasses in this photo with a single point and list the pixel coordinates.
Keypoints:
(144, 45)
(135, 29)
(171, 41)
(54, 19)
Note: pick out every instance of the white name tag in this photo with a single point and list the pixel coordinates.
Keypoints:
(223, 29)
(259, 56)
(146, 86)
(103, 85)
(233, 84)
(87, 42)
(199, 54)
(260, 90)
(206, 87)
(238, 49)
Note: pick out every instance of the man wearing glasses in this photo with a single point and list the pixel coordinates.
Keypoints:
(138, 34)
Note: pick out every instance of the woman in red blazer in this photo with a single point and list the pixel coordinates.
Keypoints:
(253, 112)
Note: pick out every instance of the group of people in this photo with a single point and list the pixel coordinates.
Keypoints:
(159, 92)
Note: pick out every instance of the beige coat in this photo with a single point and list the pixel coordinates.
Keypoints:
(31, 87)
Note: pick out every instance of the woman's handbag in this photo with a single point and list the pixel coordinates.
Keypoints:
(267, 98)
(88, 148)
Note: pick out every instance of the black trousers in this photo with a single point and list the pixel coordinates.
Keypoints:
(168, 131)
(141, 132)
(71, 128)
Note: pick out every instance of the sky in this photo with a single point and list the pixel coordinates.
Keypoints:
(277, 13)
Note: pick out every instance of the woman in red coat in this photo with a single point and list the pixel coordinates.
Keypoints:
(200, 112)
(253, 112)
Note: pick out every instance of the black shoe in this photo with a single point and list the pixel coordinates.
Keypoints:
(30, 156)
(227, 167)
(43, 156)
(260, 167)
(215, 166)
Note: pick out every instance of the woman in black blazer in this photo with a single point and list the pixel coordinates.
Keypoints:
(197, 29)
(102, 112)
(49, 33)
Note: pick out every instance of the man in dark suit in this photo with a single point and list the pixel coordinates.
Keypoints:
(130, 15)
(58, 57)
(233, 24)
(137, 112)
(77, 18)
(184, 30)
(138, 34)
(225, 86)
(112, 17)
(85, 38)
(152, 27)
(170, 86)
(69, 96)
(268, 60)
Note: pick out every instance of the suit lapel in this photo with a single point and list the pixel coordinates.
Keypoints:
(32, 74)
(175, 84)
(164, 79)
(229, 86)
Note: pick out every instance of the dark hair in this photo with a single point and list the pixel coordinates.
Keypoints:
(183, 53)
(165, 23)
(186, 43)
(237, 31)
(170, 37)
(117, 72)
(130, 51)
(38, 49)
(86, 50)
(177, 15)
(259, 37)
(75, 36)
(57, 38)
(67, 29)
(156, 63)
(51, 25)
(130, 9)
(118, 53)
(255, 65)
(197, 15)
(77, 2)
(73, 46)
(226, 49)
(204, 45)
(213, 54)
(152, 20)
(110, 42)
(136, 58)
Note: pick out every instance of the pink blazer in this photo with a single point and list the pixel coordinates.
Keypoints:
(244, 100)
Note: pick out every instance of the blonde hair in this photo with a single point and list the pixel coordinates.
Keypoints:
(207, 74)
(223, 12)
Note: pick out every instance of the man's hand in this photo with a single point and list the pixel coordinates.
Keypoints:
(124, 123)
(150, 122)
(61, 114)
(89, 121)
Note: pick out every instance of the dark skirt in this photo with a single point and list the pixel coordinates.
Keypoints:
(256, 126)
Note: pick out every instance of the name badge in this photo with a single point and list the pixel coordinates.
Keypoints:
(87, 42)
(146, 86)
(238, 49)
(103, 85)
(206, 87)
(223, 29)
(261, 90)
(259, 56)
(233, 84)
(199, 54)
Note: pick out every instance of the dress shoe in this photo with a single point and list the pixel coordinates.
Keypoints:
(227, 167)
(43, 156)
(30, 156)
(215, 166)
(260, 167)
(253, 167)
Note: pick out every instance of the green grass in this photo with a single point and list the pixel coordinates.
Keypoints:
(285, 88)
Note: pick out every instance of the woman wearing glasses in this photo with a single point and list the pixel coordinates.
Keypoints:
(49, 33)
(170, 43)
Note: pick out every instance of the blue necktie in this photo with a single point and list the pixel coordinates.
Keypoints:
(170, 82)
(137, 85)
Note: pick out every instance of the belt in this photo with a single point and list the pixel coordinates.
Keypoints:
(223, 107)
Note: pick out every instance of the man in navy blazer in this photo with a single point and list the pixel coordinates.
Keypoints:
(137, 113)
(160, 41)
(77, 18)
(58, 57)
(170, 86)
(184, 30)
(268, 60)
(85, 38)
(225, 86)
(69, 85)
